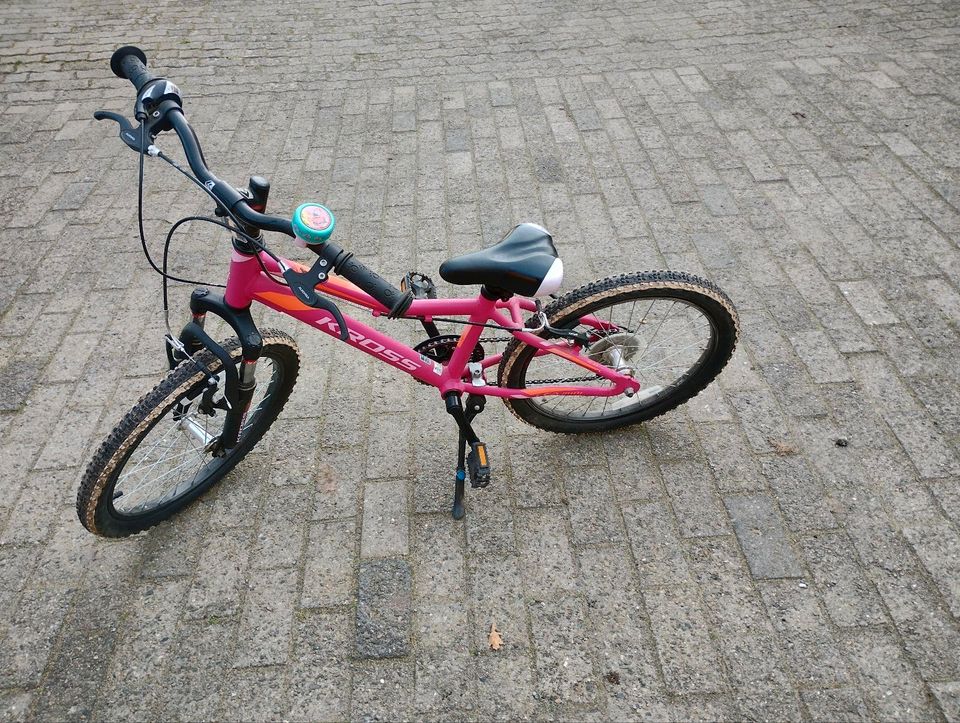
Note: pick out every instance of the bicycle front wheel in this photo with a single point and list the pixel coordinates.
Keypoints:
(158, 458)
(673, 332)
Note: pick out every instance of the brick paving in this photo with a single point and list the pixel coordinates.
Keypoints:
(786, 546)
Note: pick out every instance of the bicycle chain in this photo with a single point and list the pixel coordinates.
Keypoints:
(505, 339)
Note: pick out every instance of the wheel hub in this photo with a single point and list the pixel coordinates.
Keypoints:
(614, 350)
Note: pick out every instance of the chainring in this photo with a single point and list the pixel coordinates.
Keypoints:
(440, 349)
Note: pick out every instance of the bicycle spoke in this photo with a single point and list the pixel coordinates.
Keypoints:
(165, 475)
(172, 459)
(660, 348)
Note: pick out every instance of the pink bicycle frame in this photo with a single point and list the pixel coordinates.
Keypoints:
(247, 283)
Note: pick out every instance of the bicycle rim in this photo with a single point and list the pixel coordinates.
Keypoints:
(173, 457)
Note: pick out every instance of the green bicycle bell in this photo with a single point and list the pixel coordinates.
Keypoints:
(313, 223)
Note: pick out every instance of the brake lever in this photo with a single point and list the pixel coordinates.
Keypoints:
(302, 285)
(128, 134)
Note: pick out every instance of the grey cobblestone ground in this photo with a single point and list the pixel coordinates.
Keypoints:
(784, 547)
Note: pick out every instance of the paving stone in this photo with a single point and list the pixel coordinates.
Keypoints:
(937, 545)
(68, 439)
(735, 468)
(801, 495)
(634, 472)
(198, 669)
(848, 595)
(929, 633)
(671, 438)
(383, 609)
(490, 525)
(694, 499)
(811, 649)
(758, 163)
(17, 379)
(385, 521)
(762, 537)
(929, 451)
(445, 683)
(252, 694)
(656, 545)
(15, 705)
(719, 201)
(328, 576)
(337, 488)
(593, 514)
(823, 362)
(886, 677)
(279, 539)
(761, 420)
(621, 640)
(564, 671)
(132, 682)
(835, 704)
(438, 552)
(867, 302)
(382, 691)
(82, 660)
(218, 586)
(440, 625)
(746, 639)
(497, 592)
(687, 655)
(266, 619)
(505, 686)
(31, 636)
(548, 569)
(763, 705)
(948, 698)
(320, 678)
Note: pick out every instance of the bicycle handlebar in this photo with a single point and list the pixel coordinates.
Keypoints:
(131, 63)
(229, 196)
(346, 265)
(166, 113)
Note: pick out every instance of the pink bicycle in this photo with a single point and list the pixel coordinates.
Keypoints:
(611, 353)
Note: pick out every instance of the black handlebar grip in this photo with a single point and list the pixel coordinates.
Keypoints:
(130, 62)
(379, 288)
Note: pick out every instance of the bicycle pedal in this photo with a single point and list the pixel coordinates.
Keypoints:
(478, 464)
(420, 285)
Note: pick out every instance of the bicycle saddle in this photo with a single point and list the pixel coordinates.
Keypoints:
(523, 262)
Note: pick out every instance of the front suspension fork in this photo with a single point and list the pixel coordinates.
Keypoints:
(239, 386)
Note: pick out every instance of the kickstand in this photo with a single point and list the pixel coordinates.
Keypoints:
(475, 463)
(461, 475)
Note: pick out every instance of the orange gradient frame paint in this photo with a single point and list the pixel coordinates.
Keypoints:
(247, 282)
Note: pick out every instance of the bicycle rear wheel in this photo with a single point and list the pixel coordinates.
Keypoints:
(673, 332)
(157, 460)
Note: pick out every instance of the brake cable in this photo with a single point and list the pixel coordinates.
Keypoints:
(162, 271)
(143, 238)
(235, 229)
